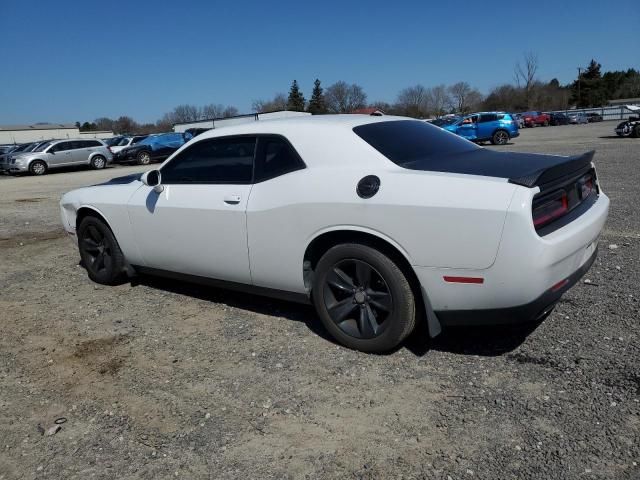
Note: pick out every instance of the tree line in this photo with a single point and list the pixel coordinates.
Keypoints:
(591, 88)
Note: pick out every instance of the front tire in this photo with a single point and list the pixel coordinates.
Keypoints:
(100, 252)
(635, 133)
(98, 162)
(37, 167)
(363, 298)
(143, 158)
(500, 137)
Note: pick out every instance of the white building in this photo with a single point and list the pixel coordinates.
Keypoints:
(226, 122)
(44, 131)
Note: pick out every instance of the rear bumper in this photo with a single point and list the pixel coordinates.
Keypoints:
(529, 312)
(529, 274)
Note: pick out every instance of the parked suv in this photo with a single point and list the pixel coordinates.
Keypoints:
(494, 127)
(531, 119)
(58, 153)
(559, 119)
(152, 148)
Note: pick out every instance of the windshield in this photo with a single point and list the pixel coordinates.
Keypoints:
(412, 144)
(23, 148)
(122, 142)
(41, 147)
(112, 142)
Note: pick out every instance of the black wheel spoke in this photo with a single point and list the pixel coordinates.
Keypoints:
(357, 298)
(363, 274)
(380, 300)
(366, 322)
(341, 309)
(94, 234)
(98, 262)
(89, 245)
(340, 280)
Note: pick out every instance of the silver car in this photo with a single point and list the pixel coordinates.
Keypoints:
(578, 118)
(58, 153)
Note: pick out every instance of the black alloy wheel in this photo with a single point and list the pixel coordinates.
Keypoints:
(99, 251)
(363, 297)
(357, 299)
(500, 137)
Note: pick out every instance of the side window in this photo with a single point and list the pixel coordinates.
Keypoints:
(92, 143)
(488, 117)
(61, 147)
(216, 160)
(275, 157)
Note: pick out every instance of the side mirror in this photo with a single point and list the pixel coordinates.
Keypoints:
(152, 178)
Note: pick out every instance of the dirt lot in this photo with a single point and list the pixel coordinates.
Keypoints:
(165, 380)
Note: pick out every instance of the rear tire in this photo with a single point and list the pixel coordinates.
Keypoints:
(635, 133)
(37, 167)
(100, 252)
(363, 298)
(98, 162)
(500, 137)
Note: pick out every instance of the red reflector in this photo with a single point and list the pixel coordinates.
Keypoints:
(463, 279)
(559, 285)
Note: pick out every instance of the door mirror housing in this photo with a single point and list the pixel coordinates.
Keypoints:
(153, 178)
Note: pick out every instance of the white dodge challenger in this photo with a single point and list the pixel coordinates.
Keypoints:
(380, 222)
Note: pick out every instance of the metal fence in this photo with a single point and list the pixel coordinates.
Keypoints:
(616, 112)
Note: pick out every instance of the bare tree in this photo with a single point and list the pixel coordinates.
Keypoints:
(440, 100)
(213, 110)
(279, 102)
(526, 75)
(414, 101)
(104, 123)
(342, 97)
(186, 113)
(464, 98)
(459, 92)
(230, 111)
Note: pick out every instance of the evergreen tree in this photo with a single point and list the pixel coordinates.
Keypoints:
(296, 99)
(316, 104)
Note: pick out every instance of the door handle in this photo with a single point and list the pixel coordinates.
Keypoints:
(232, 199)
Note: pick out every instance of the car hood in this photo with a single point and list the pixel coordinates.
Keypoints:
(121, 180)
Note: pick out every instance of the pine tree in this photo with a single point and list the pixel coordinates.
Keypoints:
(316, 104)
(296, 99)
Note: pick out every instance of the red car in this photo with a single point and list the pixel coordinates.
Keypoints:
(531, 119)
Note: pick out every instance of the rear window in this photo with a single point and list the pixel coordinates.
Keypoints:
(411, 143)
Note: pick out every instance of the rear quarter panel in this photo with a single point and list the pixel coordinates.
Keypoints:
(434, 219)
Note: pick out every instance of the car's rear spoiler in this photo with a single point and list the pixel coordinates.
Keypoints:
(565, 167)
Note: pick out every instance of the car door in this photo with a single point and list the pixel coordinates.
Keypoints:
(88, 147)
(197, 224)
(60, 154)
(468, 128)
(487, 123)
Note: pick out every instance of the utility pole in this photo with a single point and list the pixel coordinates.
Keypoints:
(579, 73)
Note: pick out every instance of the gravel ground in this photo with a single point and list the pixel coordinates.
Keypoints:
(165, 380)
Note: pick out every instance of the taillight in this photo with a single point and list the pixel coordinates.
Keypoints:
(110, 151)
(550, 209)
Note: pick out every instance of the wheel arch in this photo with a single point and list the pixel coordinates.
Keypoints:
(86, 210)
(326, 239)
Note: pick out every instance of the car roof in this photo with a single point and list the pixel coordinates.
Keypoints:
(311, 122)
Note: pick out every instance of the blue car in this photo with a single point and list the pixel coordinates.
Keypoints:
(495, 127)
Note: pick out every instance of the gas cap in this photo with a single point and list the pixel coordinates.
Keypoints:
(368, 186)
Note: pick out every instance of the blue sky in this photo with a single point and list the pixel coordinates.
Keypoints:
(66, 61)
